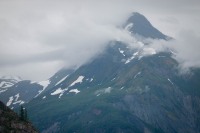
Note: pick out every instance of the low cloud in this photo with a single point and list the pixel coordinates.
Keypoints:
(185, 49)
(66, 33)
(37, 38)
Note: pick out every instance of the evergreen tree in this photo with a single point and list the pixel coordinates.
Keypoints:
(22, 113)
(25, 115)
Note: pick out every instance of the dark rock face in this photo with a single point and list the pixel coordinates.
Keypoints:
(141, 26)
(11, 123)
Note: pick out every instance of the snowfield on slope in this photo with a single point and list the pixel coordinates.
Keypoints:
(5, 84)
(44, 84)
(61, 80)
(59, 92)
(131, 58)
(121, 51)
(10, 101)
(75, 91)
(78, 80)
(14, 100)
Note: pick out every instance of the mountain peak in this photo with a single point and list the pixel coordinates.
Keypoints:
(138, 24)
(10, 77)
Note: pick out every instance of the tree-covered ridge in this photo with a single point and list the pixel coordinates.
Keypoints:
(11, 122)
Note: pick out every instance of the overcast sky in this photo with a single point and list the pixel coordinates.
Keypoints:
(37, 38)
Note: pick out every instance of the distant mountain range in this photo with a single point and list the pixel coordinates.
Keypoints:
(121, 90)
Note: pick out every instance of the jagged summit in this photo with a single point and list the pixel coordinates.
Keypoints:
(138, 24)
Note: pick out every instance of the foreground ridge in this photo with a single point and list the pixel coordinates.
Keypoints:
(11, 123)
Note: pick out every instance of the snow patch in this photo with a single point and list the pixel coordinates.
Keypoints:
(121, 88)
(137, 75)
(91, 79)
(17, 101)
(113, 79)
(170, 81)
(5, 84)
(59, 92)
(62, 80)
(20, 102)
(129, 26)
(98, 95)
(2, 91)
(136, 53)
(131, 58)
(78, 80)
(9, 101)
(75, 91)
(121, 51)
(44, 84)
(56, 92)
(16, 97)
(140, 57)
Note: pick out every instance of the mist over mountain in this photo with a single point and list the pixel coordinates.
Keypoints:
(36, 35)
(133, 84)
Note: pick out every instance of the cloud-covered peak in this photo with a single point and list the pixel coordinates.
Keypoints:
(37, 38)
(138, 24)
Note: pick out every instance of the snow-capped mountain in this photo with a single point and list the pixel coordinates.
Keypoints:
(15, 92)
(121, 90)
(8, 81)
